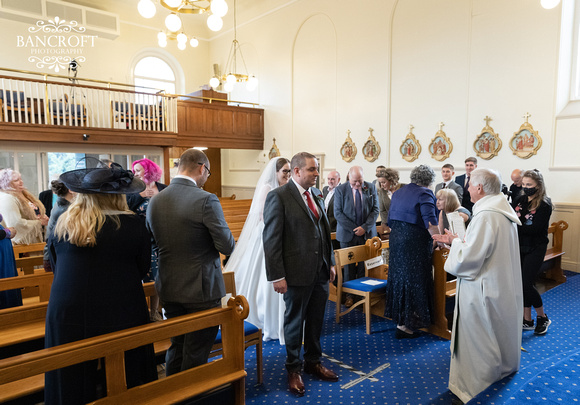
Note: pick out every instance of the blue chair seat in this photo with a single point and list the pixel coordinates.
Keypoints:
(359, 284)
(249, 328)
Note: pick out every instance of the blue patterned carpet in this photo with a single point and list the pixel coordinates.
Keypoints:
(378, 369)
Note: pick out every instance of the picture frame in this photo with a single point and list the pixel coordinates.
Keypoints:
(371, 149)
(410, 149)
(274, 151)
(440, 146)
(348, 149)
(487, 144)
(526, 141)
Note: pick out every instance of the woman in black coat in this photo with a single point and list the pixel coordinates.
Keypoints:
(150, 173)
(99, 253)
(533, 208)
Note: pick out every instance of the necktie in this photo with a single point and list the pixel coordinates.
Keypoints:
(467, 184)
(358, 207)
(444, 185)
(311, 205)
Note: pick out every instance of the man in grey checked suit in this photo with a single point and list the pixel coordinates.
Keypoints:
(189, 232)
(300, 263)
(447, 172)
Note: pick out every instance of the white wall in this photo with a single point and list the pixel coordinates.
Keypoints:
(410, 62)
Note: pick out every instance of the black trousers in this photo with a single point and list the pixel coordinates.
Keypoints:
(531, 264)
(304, 316)
(192, 349)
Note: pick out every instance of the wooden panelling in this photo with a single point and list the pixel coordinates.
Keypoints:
(100, 136)
(219, 126)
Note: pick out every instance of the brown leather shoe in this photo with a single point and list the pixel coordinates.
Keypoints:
(321, 372)
(349, 302)
(295, 384)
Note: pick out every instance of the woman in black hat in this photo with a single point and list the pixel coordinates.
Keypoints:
(99, 254)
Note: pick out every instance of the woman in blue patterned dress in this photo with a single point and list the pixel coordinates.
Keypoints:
(412, 219)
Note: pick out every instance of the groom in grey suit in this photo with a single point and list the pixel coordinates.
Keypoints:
(300, 263)
(189, 232)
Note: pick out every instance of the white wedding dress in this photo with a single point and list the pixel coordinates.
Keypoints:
(247, 262)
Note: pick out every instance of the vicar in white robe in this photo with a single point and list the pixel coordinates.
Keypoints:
(487, 326)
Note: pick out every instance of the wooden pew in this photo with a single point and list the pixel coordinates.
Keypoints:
(442, 289)
(235, 213)
(553, 257)
(18, 373)
(25, 324)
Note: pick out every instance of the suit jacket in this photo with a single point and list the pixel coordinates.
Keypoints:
(330, 211)
(45, 198)
(189, 232)
(466, 200)
(296, 245)
(134, 200)
(453, 186)
(345, 214)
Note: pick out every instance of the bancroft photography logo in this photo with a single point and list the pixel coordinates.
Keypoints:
(56, 43)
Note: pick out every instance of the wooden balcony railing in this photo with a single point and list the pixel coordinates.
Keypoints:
(63, 101)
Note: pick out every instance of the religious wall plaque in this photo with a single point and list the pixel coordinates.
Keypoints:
(410, 148)
(348, 149)
(274, 151)
(526, 141)
(440, 146)
(487, 144)
(371, 149)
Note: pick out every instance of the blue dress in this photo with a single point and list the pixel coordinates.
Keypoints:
(409, 298)
(10, 298)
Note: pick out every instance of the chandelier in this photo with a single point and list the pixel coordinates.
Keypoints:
(215, 8)
(232, 75)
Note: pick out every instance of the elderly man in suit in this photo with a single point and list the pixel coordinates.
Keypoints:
(333, 180)
(356, 208)
(463, 181)
(447, 172)
(189, 232)
(300, 263)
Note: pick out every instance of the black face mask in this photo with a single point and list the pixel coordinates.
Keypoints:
(530, 191)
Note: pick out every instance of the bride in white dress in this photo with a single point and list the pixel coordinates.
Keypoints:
(247, 260)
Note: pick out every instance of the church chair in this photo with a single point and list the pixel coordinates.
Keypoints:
(252, 334)
(15, 104)
(367, 288)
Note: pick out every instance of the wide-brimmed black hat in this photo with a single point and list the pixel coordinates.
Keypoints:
(102, 179)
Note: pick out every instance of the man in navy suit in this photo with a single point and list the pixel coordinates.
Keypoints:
(356, 208)
(300, 263)
(463, 181)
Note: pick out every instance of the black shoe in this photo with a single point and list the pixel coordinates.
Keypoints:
(401, 334)
(528, 325)
(542, 323)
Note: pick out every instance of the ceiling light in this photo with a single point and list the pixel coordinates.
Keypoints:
(549, 4)
(146, 8)
(214, 22)
(173, 22)
(194, 42)
(219, 7)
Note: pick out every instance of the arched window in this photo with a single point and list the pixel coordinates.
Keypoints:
(152, 72)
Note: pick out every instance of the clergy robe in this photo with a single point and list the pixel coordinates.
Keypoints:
(487, 325)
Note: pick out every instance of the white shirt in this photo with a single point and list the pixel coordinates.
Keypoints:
(328, 198)
(182, 176)
(302, 191)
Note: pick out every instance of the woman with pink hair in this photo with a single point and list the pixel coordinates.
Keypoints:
(150, 173)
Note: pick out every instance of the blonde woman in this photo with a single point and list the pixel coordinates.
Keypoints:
(100, 251)
(21, 210)
(447, 202)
